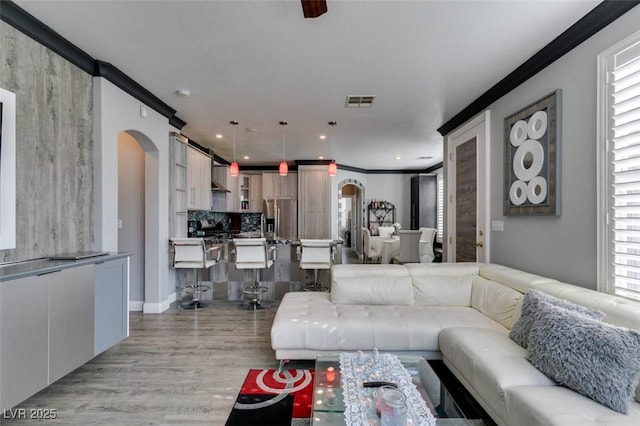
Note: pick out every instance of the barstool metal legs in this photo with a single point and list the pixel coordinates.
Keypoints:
(196, 291)
(254, 291)
(315, 286)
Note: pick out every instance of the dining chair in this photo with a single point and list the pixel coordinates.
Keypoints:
(370, 251)
(192, 253)
(427, 253)
(385, 231)
(409, 247)
(316, 254)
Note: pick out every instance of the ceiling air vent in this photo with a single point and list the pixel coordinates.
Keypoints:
(360, 101)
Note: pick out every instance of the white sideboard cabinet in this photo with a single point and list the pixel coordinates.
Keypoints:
(111, 304)
(55, 316)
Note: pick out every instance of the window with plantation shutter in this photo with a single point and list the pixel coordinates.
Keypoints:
(620, 97)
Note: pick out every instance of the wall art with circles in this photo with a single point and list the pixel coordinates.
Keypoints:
(532, 158)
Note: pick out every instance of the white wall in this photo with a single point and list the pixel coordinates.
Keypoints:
(115, 111)
(561, 247)
(131, 188)
(394, 188)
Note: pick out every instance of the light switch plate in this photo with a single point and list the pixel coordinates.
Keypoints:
(497, 225)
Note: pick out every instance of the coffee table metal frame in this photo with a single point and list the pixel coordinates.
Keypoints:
(328, 403)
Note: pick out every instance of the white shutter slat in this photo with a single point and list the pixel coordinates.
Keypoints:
(624, 167)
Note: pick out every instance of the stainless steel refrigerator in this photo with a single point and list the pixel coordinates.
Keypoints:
(281, 218)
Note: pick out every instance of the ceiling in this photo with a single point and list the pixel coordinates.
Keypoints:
(260, 62)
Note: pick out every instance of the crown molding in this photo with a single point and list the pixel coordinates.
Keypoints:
(598, 18)
(22, 21)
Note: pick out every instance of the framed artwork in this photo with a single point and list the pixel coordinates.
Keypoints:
(532, 158)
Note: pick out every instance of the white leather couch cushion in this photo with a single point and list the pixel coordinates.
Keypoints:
(442, 284)
(305, 319)
(371, 285)
(401, 328)
(496, 301)
(514, 278)
(560, 406)
(619, 311)
(487, 362)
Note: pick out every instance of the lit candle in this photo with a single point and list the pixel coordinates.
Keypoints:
(331, 374)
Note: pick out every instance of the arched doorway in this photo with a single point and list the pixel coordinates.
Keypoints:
(137, 158)
(351, 214)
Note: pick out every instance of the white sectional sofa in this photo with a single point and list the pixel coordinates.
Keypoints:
(461, 313)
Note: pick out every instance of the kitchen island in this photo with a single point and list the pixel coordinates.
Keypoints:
(285, 275)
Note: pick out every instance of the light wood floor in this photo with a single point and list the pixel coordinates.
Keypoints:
(176, 368)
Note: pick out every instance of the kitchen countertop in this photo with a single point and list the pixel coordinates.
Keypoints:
(217, 240)
(45, 265)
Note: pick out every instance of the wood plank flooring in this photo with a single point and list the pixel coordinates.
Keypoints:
(176, 368)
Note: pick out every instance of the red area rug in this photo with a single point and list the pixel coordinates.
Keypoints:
(271, 398)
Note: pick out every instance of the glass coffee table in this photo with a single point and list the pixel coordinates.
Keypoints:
(329, 407)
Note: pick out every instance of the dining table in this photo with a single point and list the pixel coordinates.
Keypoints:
(390, 246)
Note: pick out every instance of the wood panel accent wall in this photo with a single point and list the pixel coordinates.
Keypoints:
(54, 155)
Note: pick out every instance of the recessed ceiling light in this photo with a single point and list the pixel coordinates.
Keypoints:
(323, 137)
(218, 136)
(321, 158)
(246, 157)
(398, 157)
(183, 93)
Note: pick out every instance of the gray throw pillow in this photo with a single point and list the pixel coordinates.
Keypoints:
(520, 331)
(598, 360)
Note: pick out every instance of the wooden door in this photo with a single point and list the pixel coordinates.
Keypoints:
(467, 215)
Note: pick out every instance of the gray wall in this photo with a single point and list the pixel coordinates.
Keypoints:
(54, 175)
(561, 247)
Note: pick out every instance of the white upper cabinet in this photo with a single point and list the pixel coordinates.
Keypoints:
(198, 179)
(276, 186)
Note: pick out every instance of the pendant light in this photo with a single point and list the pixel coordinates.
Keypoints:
(333, 167)
(234, 169)
(283, 169)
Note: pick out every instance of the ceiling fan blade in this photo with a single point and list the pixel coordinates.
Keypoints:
(313, 8)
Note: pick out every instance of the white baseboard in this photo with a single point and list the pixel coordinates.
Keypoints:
(157, 308)
(136, 305)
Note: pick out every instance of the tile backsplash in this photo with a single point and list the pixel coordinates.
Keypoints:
(248, 221)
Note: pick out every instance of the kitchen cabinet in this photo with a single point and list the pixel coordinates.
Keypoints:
(255, 193)
(233, 196)
(111, 310)
(177, 185)
(198, 179)
(424, 201)
(314, 212)
(250, 193)
(276, 186)
(244, 196)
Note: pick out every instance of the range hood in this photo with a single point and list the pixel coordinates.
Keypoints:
(218, 187)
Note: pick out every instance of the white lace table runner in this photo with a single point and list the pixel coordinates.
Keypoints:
(360, 403)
